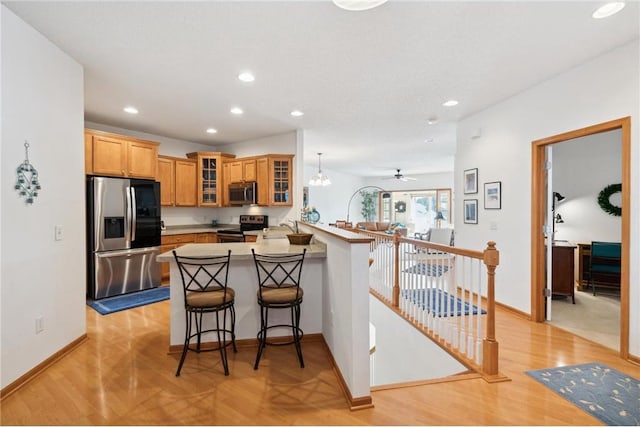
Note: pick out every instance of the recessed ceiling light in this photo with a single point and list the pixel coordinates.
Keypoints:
(432, 120)
(450, 103)
(246, 77)
(297, 113)
(237, 111)
(358, 5)
(608, 9)
(130, 110)
(212, 130)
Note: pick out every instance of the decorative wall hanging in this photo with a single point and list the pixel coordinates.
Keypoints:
(493, 195)
(471, 181)
(605, 203)
(400, 206)
(27, 183)
(470, 211)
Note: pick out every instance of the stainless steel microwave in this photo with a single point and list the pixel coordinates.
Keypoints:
(243, 193)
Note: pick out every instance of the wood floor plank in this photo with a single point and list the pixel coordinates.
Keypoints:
(123, 375)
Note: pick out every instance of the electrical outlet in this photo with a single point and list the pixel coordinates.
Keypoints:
(39, 324)
(58, 232)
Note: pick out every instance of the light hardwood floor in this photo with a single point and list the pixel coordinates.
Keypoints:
(123, 375)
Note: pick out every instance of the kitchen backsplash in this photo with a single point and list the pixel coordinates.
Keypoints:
(193, 216)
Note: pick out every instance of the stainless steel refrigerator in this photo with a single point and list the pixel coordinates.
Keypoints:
(123, 235)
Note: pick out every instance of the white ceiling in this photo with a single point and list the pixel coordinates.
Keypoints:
(367, 81)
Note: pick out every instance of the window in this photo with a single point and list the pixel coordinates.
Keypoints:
(422, 207)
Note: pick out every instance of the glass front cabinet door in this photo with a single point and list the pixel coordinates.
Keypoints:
(281, 174)
(210, 177)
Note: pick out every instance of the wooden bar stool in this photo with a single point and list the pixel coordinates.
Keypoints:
(279, 288)
(205, 289)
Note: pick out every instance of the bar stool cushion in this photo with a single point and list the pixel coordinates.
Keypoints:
(211, 298)
(280, 295)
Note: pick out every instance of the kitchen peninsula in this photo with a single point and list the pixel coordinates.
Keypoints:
(335, 280)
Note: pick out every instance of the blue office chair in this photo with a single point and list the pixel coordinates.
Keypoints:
(604, 263)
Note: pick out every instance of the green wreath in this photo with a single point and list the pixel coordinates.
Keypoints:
(605, 195)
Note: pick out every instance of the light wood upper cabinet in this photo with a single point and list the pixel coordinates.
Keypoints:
(274, 175)
(236, 173)
(210, 179)
(249, 170)
(262, 179)
(166, 176)
(142, 158)
(280, 180)
(177, 179)
(119, 155)
(186, 183)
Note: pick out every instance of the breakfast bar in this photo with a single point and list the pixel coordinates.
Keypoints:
(335, 280)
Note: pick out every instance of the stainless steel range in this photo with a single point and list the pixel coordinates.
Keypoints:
(247, 223)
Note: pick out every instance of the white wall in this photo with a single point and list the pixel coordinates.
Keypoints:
(331, 201)
(601, 156)
(42, 102)
(603, 89)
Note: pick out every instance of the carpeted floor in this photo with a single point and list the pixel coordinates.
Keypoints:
(605, 393)
(439, 302)
(596, 318)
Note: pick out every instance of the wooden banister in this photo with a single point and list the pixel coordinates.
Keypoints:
(491, 259)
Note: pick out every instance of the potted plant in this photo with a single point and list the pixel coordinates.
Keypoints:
(369, 200)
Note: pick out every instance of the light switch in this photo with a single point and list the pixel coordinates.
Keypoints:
(58, 230)
(493, 225)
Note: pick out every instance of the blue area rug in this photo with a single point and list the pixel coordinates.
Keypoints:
(439, 302)
(127, 301)
(609, 395)
(434, 270)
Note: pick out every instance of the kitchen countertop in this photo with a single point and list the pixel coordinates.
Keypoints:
(269, 246)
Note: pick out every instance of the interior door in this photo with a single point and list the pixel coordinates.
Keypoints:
(548, 232)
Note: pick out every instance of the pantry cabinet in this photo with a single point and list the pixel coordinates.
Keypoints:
(118, 155)
(210, 179)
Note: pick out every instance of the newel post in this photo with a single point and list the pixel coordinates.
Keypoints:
(395, 301)
(490, 345)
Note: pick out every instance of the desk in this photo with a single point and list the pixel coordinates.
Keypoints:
(562, 282)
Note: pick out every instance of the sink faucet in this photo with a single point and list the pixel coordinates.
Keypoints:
(284, 224)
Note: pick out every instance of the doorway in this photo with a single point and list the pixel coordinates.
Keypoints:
(539, 212)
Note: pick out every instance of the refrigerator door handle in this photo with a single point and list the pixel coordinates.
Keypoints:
(127, 210)
(134, 213)
(127, 252)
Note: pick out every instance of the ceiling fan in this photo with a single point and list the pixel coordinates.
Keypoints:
(401, 177)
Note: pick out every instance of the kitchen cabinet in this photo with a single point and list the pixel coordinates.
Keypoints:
(280, 180)
(166, 176)
(210, 180)
(118, 155)
(274, 175)
(177, 179)
(237, 170)
(242, 170)
(169, 243)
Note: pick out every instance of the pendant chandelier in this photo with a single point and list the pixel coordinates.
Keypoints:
(319, 179)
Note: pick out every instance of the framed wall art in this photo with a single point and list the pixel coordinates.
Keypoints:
(471, 181)
(471, 211)
(493, 195)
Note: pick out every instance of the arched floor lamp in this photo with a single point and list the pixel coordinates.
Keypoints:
(358, 191)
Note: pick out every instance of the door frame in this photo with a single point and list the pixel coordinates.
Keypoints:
(538, 208)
